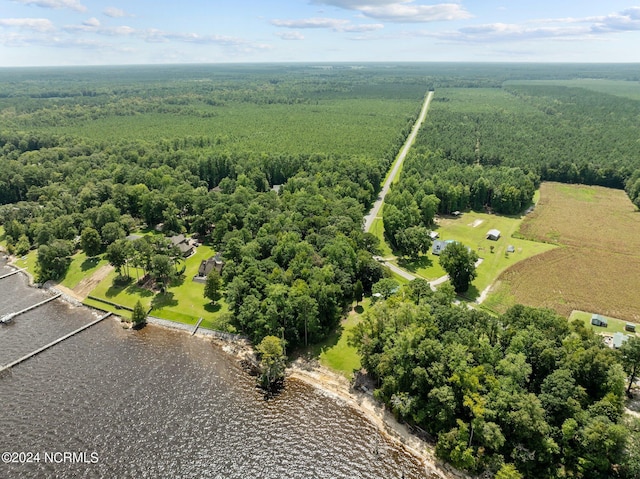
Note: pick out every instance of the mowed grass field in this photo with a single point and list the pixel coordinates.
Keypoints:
(614, 325)
(471, 229)
(183, 301)
(596, 268)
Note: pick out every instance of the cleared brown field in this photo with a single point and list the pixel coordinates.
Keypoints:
(597, 269)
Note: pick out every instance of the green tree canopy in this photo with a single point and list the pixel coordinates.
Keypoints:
(630, 352)
(212, 286)
(90, 241)
(459, 263)
(139, 315)
(272, 362)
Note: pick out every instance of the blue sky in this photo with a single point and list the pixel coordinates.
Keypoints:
(88, 32)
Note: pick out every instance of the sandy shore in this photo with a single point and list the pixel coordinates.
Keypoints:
(338, 386)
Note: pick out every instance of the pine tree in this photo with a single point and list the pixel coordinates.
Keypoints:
(139, 315)
(212, 286)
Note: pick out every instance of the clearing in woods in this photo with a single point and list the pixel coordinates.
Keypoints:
(595, 270)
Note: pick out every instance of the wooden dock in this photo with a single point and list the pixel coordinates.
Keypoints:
(50, 345)
(197, 326)
(11, 274)
(9, 317)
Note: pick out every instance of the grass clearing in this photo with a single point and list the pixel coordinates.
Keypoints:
(334, 352)
(342, 357)
(614, 325)
(495, 260)
(183, 302)
(377, 229)
(596, 269)
(125, 295)
(81, 267)
(28, 262)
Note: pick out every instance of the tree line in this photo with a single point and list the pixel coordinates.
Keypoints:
(524, 394)
(552, 133)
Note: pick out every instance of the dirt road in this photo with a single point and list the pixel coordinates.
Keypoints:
(370, 218)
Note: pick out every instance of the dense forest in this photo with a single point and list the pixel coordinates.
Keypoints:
(275, 166)
(293, 254)
(525, 393)
(539, 132)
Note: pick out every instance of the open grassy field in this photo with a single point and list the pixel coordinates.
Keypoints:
(626, 89)
(80, 268)
(340, 356)
(596, 267)
(614, 325)
(377, 229)
(28, 262)
(470, 229)
(335, 352)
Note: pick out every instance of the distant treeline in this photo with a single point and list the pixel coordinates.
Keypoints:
(550, 133)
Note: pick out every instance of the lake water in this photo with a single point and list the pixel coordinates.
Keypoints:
(160, 403)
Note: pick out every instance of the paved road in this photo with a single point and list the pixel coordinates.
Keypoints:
(369, 219)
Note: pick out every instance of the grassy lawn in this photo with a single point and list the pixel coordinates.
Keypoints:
(124, 295)
(614, 325)
(377, 229)
(341, 357)
(28, 262)
(470, 229)
(3, 241)
(335, 352)
(183, 302)
(80, 268)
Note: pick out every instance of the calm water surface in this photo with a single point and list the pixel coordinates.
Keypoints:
(158, 403)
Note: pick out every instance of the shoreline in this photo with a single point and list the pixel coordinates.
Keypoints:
(316, 376)
(337, 386)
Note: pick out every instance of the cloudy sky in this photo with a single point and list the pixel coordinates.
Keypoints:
(83, 32)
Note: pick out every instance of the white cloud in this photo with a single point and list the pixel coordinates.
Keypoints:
(95, 27)
(627, 20)
(153, 35)
(548, 28)
(409, 13)
(34, 24)
(92, 22)
(331, 23)
(402, 11)
(290, 35)
(57, 4)
(367, 27)
(114, 12)
(356, 4)
(335, 24)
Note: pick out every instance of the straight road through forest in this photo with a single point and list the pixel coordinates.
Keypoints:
(370, 218)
